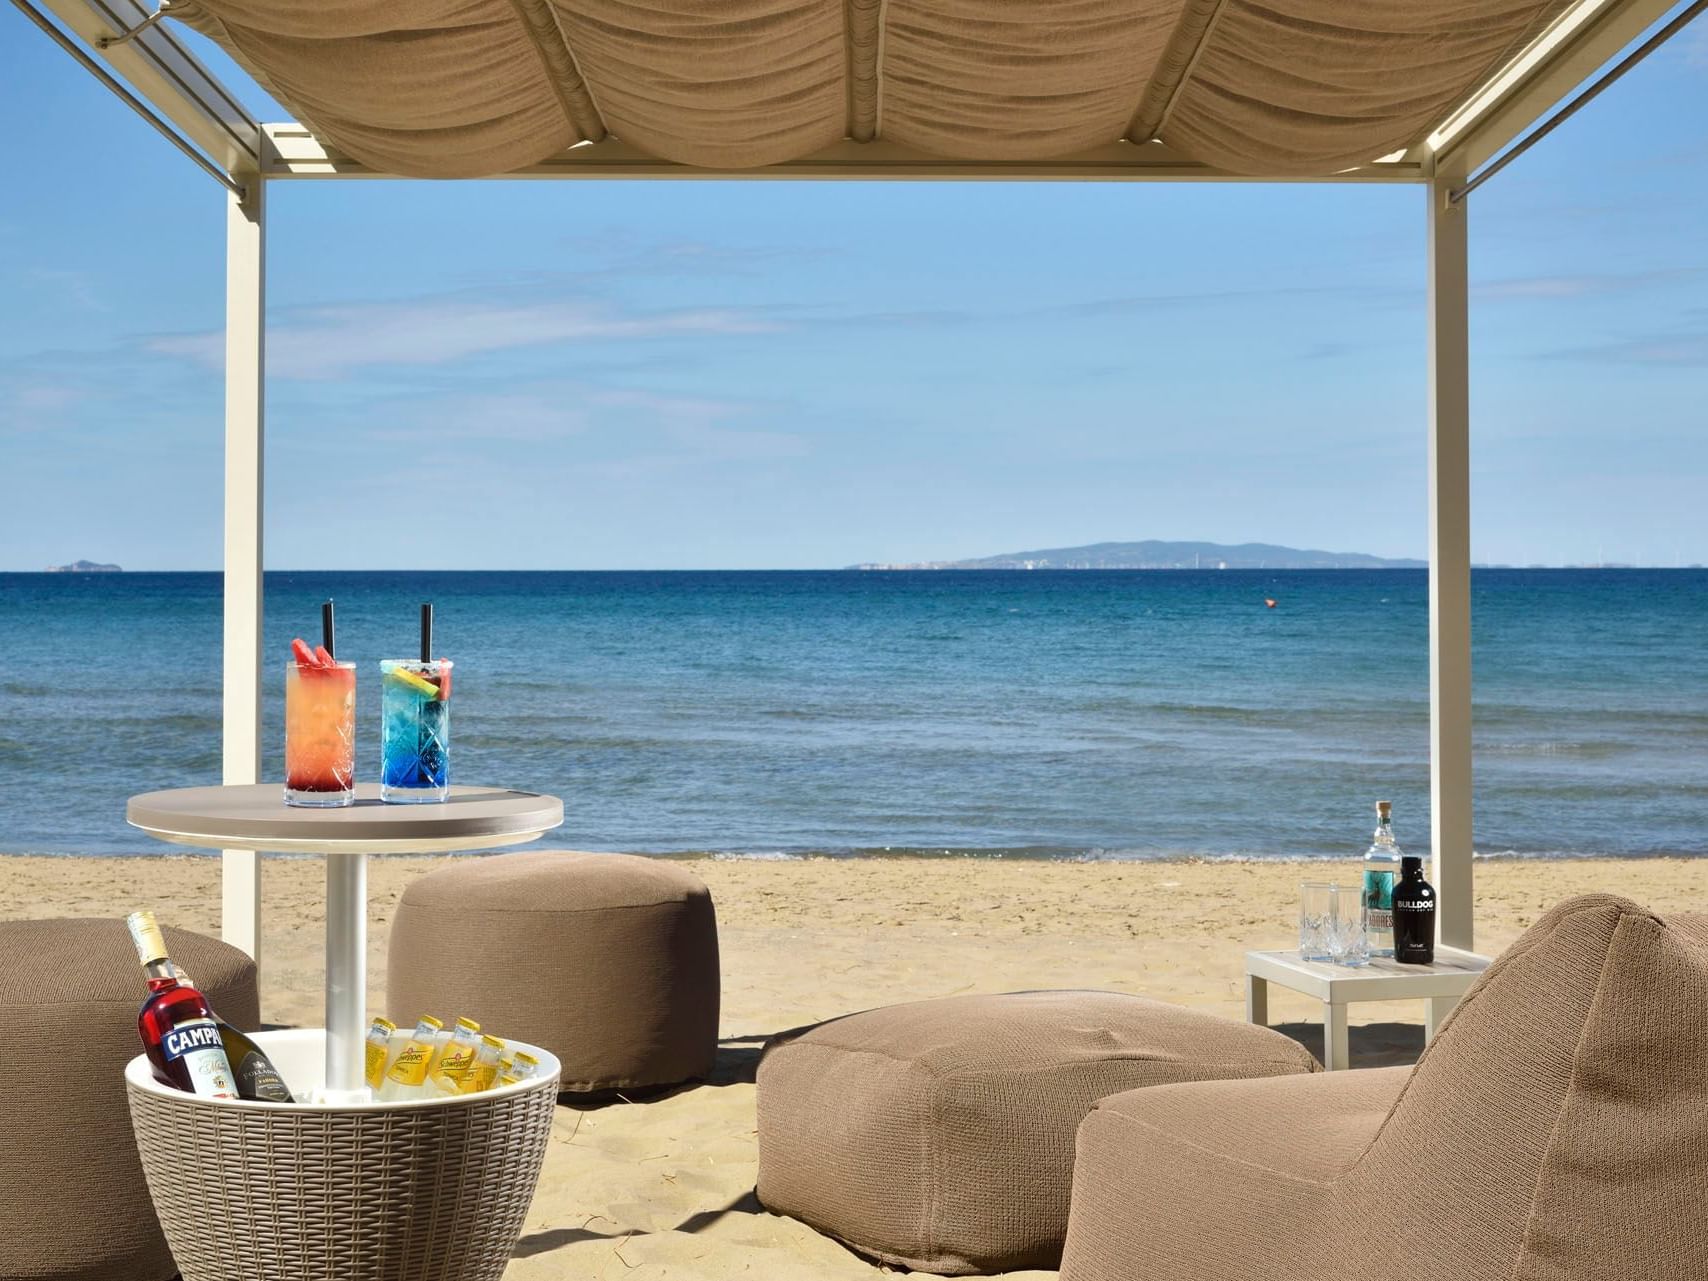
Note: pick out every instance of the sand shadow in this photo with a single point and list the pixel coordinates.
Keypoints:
(1372, 1044)
(746, 1203)
(737, 1063)
(549, 1239)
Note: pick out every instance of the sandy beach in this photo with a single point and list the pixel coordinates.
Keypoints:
(664, 1189)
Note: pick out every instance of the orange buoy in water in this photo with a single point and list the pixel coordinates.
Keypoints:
(1269, 601)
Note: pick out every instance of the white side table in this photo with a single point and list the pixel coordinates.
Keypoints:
(255, 817)
(1337, 986)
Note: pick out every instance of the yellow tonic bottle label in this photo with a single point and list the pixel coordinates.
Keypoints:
(374, 1066)
(454, 1063)
(411, 1065)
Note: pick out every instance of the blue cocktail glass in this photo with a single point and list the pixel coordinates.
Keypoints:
(415, 730)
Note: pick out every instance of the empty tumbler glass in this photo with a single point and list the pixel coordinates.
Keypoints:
(1316, 911)
(1348, 938)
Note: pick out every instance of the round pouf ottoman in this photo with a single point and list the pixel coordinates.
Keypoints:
(76, 1205)
(607, 960)
(939, 1135)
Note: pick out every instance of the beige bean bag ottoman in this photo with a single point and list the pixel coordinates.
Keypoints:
(75, 1205)
(607, 960)
(939, 1135)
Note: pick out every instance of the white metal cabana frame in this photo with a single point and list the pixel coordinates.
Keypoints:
(150, 68)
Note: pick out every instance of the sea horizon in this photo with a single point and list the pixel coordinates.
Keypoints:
(922, 568)
(1021, 714)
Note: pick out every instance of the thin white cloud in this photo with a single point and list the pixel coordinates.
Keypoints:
(523, 416)
(333, 342)
(77, 289)
(667, 406)
(35, 407)
(47, 397)
(1688, 350)
(1696, 48)
(1578, 286)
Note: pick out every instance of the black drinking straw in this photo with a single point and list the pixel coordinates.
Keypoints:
(326, 629)
(426, 631)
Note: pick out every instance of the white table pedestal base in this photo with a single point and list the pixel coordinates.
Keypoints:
(346, 975)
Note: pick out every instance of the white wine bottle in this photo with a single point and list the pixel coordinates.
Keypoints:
(256, 1077)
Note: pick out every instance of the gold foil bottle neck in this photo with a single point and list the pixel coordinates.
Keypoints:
(145, 933)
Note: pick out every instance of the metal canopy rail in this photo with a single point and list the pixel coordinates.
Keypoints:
(178, 90)
(111, 42)
(1508, 112)
(1582, 99)
(124, 95)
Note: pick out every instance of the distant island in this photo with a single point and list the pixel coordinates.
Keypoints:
(1156, 554)
(83, 567)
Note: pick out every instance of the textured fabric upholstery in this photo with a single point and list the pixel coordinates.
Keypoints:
(75, 1206)
(454, 88)
(938, 1135)
(1555, 1130)
(607, 960)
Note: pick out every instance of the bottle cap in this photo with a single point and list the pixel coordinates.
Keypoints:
(145, 933)
(522, 1056)
(1384, 809)
(428, 1021)
(1411, 863)
(468, 1024)
(382, 1025)
(492, 1042)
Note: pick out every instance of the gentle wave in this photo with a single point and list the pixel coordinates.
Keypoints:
(1143, 856)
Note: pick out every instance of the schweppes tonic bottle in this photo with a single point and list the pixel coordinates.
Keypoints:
(408, 1072)
(524, 1067)
(485, 1070)
(376, 1055)
(179, 1033)
(446, 1071)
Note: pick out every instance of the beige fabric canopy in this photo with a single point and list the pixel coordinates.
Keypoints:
(460, 88)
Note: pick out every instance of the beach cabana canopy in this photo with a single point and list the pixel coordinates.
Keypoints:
(1438, 93)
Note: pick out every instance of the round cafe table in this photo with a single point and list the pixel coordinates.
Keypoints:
(255, 817)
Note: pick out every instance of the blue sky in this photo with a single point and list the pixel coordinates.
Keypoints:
(687, 375)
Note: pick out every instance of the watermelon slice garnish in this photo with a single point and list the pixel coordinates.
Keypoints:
(444, 680)
(323, 658)
(303, 654)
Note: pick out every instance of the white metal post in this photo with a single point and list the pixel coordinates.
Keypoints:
(245, 301)
(1450, 563)
(346, 976)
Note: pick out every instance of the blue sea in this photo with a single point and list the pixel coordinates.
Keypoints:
(1077, 714)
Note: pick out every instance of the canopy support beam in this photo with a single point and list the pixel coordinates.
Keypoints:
(293, 152)
(1501, 112)
(168, 86)
(245, 321)
(123, 94)
(1450, 563)
(1582, 99)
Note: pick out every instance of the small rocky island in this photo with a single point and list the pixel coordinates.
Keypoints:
(84, 567)
(1158, 554)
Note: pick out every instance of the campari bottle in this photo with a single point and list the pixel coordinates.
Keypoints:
(179, 1033)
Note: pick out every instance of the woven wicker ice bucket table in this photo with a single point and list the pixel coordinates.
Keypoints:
(430, 1190)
